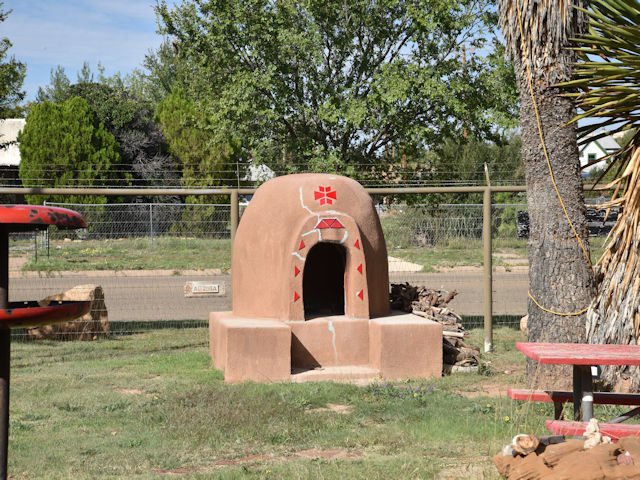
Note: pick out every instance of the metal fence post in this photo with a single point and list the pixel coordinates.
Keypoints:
(488, 294)
(151, 221)
(235, 214)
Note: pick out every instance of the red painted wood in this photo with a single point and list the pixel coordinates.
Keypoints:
(581, 353)
(38, 216)
(30, 314)
(613, 430)
(603, 398)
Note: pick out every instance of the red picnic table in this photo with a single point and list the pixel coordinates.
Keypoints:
(26, 218)
(582, 356)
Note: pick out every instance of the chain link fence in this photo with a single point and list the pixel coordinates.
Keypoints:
(150, 220)
(146, 257)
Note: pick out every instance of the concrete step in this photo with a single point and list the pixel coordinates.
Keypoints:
(360, 374)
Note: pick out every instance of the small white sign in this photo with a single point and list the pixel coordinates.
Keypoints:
(206, 288)
(203, 289)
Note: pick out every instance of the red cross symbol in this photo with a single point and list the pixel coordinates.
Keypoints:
(325, 195)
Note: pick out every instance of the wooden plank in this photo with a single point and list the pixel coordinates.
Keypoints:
(613, 430)
(602, 398)
(581, 353)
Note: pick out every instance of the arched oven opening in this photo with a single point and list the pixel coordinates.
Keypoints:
(323, 280)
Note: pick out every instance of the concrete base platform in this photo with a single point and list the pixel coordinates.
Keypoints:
(335, 348)
(347, 374)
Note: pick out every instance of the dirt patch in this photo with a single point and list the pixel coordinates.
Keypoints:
(176, 471)
(328, 454)
(492, 388)
(487, 390)
(236, 461)
(16, 263)
(310, 453)
(131, 391)
(332, 407)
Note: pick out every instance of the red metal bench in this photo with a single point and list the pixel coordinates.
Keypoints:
(613, 430)
(560, 397)
(604, 398)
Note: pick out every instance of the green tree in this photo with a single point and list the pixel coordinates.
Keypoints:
(127, 116)
(58, 88)
(560, 277)
(65, 145)
(328, 84)
(163, 71)
(12, 74)
(206, 159)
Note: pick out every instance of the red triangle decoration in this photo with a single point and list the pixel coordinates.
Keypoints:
(301, 245)
(331, 195)
(357, 244)
(295, 296)
(296, 271)
(360, 294)
(329, 223)
(360, 268)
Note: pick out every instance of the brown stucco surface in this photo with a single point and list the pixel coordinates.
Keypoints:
(251, 349)
(311, 291)
(330, 341)
(403, 346)
(283, 215)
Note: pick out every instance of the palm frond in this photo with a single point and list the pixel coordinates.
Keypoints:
(606, 86)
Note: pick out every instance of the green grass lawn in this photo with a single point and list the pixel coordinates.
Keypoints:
(469, 252)
(166, 253)
(151, 406)
(174, 253)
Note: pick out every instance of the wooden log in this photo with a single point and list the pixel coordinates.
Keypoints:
(453, 334)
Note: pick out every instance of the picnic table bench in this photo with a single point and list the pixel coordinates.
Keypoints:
(582, 357)
(558, 397)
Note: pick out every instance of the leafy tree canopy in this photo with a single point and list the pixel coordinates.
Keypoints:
(206, 158)
(127, 116)
(163, 70)
(12, 74)
(319, 84)
(64, 144)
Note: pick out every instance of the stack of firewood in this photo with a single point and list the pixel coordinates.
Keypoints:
(433, 304)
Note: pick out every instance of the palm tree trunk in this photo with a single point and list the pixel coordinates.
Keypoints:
(560, 277)
(614, 316)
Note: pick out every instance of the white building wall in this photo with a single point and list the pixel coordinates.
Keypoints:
(9, 129)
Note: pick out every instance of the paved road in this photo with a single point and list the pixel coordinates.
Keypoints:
(145, 297)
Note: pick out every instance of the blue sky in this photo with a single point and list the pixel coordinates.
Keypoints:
(47, 33)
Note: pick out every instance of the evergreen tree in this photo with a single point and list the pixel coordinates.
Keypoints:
(65, 145)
